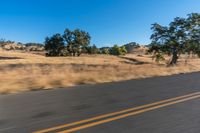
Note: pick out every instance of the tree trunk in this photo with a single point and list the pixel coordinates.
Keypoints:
(74, 54)
(174, 57)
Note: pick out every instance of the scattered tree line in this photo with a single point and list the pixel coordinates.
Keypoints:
(4, 41)
(71, 43)
(181, 36)
(33, 44)
(76, 42)
(130, 46)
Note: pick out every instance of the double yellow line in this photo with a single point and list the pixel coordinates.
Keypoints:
(76, 126)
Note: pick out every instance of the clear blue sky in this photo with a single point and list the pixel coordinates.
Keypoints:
(107, 21)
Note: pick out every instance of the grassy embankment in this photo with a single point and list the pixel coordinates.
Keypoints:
(24, 71)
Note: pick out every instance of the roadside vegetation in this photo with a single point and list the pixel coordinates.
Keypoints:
(76, 42)
(182, 36)
(21, 72)
(70, 59)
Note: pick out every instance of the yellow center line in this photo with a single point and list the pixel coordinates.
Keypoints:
(126, 115)
(114, 113)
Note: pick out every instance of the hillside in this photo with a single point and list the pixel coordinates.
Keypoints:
(13, 46)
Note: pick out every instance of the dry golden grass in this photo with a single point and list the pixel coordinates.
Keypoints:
(24, 71)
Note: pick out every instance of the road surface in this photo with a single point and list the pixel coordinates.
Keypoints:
(169, 104)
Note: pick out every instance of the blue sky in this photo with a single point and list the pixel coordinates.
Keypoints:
(107, 21)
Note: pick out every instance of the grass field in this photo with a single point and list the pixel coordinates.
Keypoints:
(24, 71)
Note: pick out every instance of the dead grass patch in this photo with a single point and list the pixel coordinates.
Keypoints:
(36, 72)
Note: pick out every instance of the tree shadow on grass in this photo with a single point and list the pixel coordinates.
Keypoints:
(9, 58)
(133, 61)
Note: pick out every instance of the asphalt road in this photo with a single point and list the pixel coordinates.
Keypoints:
(35, 111)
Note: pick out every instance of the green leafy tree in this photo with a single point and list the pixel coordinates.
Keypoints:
(116, 50)
(77, 41)
(104, 50)
(123, 50)
(92, 49)
(54, 45)
(182, 35)
(193, 29)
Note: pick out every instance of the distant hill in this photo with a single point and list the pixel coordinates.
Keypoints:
(141, 50)
(9, 46)
(34, 47)
(130, 47)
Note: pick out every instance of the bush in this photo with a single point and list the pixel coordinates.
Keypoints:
(92, 50)
(116, 50)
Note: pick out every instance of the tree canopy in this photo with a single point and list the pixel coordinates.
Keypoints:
(54, 45)
(116, 50)
(181, 36)
(75, 42)
(70, 43)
